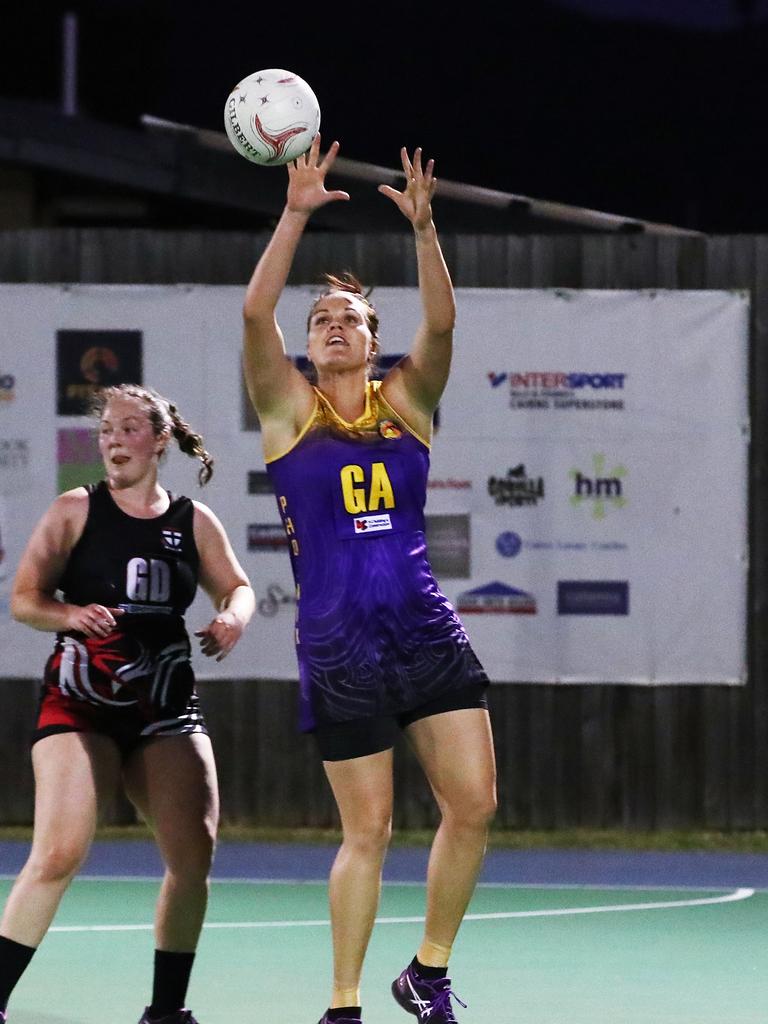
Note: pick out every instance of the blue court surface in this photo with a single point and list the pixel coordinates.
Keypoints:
(551, 937)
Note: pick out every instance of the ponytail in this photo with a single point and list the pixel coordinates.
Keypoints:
(191, 444)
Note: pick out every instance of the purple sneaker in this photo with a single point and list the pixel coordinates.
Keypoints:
(342, 1020)
(429, 999)
(177, 1017)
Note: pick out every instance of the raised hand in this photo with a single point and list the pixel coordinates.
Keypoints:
(420, 183)
(306, 180)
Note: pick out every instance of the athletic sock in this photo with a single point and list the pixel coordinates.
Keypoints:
(14, 959)
(428, 973)
(171, 980)
(341, 1012)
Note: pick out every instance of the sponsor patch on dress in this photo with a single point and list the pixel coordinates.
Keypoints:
(373, 524)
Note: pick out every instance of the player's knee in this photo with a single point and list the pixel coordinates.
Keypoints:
(473, 811)
(487, 808)
(58, 861)
(370, 836)
(192, 858)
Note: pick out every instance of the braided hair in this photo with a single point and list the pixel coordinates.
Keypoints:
(165, 419)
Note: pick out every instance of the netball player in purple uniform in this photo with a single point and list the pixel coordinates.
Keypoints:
(379, 646)
(118, 700)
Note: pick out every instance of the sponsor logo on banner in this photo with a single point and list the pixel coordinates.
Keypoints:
(78, 457)
(509, 544)
(516, 488)
(276, 597)
(7, 387)
(259, 482)
(556, 389)
(448, 484)
(448, 545)
(593, 597)
(266, 537)
(14, 464)
(373, 524)
(88, 360)
(14, 453)
(495, 598)
(601, 488)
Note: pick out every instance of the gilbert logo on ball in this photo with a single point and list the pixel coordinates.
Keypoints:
(271, 117)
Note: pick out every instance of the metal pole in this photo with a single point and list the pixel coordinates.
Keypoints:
(69, 65)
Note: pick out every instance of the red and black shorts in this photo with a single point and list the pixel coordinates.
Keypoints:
(83, 692)
(127, 726)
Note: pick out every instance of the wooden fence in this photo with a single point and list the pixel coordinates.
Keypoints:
(591, 756)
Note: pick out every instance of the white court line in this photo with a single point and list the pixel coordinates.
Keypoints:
(731, 897)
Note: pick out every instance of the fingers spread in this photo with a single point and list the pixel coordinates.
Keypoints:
(330, 156)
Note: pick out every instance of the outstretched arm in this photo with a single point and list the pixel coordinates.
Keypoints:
(420, 378)
(270, 378)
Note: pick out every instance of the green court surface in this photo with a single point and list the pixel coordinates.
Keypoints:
(527, 955)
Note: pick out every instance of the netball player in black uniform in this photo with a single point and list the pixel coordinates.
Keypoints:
(118, 698)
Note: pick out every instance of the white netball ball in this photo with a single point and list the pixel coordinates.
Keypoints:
(271, 117)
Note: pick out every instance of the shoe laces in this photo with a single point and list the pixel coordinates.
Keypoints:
(440, 997)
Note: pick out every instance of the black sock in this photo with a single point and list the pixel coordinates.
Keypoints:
(14, 959)
(428, 973)
(338, 1012)
(169, 989)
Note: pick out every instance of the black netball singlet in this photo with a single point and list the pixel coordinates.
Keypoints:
(148, 568)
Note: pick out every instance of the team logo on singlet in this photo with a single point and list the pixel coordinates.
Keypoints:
(172, 540)
(389, 430)
(373, 524)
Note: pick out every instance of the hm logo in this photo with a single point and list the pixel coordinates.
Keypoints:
(603, 489)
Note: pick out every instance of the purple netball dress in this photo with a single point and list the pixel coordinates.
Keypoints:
(374, 633)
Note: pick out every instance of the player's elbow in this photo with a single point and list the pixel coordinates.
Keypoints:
(21, 606)
(441, 323)
(257, 311)
(441, 332)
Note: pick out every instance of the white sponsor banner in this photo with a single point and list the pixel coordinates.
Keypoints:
(588, 496)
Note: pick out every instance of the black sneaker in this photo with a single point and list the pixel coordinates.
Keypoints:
(429, 999)
(177, 1017)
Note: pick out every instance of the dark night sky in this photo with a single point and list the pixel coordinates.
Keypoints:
(647, 108)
